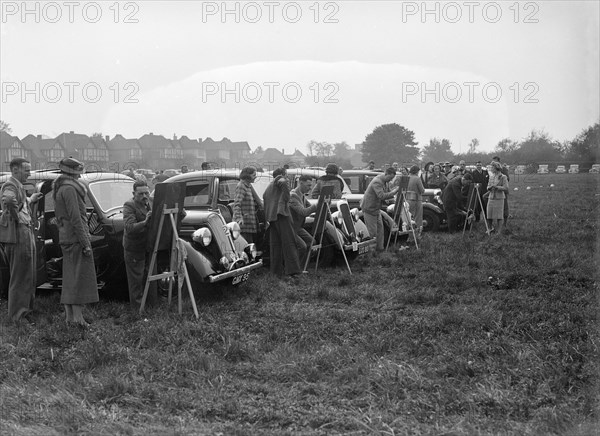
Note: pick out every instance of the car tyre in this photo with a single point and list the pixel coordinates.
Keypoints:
(433, 221)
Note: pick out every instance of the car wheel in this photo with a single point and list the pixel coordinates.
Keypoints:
(432, 221)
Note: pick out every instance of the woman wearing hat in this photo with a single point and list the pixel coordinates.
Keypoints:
(79, 273)
(497, 189)
(414, 196)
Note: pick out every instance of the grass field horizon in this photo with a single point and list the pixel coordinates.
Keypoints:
(468, 335)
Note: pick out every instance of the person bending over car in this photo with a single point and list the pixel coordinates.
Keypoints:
(454, 201)
(371, 204)
(301, 208)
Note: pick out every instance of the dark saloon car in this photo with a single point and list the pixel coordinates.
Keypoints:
(104, 202)
(216, 250)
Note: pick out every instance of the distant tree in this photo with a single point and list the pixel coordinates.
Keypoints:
(438, 151)
(538, 147)
(258, 150)
(5, 127)
(390, 143)
(97, 135)
(311, 147)
(585, 147)
(341, 149)
(473, 145)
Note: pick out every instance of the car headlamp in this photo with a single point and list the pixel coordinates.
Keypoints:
(390, 209)
(202, 236)
(337, 216)
(234, 229)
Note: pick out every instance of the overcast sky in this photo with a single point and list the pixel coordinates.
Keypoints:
(267, 73)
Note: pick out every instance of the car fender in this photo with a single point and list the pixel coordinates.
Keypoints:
(433, 207)
(198, 265)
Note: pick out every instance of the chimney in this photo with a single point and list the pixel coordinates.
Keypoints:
(72, 132)
(39, 136)
(282, 151)
(107, 138)
(151, 134)
(174, 137)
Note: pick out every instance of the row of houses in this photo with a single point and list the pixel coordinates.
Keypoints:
(149, 151)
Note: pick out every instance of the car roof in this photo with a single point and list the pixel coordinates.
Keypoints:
(40, 175)
(361, 172)
(192, 175)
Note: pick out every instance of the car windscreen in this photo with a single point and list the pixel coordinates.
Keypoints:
(111, 193)
(197, 194)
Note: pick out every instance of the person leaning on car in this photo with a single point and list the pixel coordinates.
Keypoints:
(454, 200)
(136, 218)
(282, 238)
(371, 204)
(331, 178)
(300, 209)
(17, 240)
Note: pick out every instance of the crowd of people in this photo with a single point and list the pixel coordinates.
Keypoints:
(282, 209)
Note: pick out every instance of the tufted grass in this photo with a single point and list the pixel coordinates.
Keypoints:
(466, 336)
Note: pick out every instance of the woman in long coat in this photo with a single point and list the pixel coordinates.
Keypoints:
(79, 285)
(414, 196)
(497, 189)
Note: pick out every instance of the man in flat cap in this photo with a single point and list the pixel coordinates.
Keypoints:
(17, 240)
(332, 178)
(79, 285)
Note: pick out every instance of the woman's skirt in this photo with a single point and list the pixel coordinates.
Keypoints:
(495, 209)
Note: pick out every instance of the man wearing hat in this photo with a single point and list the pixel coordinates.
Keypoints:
(331, 178)
(17, 240)
(79, 285)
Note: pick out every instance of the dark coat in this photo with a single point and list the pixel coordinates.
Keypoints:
(453, 197)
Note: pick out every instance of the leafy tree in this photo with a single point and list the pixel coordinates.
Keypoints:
(97, 135)
(538, 147)
(584, 148)
(311, 146)
(438, 151)
(341, 149)
(473, 145)
(390, 143)
(5, 127)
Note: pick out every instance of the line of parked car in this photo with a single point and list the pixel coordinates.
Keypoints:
(217, 253)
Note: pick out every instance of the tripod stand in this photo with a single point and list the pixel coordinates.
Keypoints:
(473, 200)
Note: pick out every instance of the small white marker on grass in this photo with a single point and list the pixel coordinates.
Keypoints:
(528, 188)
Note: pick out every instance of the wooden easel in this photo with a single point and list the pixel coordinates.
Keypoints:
(323, 215)
(400, 210)
(172, 268)
(473, 199)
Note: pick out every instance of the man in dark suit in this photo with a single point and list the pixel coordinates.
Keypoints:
(481, 177)
(300, 209)
(136, 217)
(17, 240)
(454, 201)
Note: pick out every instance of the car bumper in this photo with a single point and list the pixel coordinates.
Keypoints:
(235, 272)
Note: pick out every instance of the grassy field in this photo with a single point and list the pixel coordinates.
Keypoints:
(469, 335)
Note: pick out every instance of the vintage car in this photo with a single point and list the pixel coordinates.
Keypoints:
(595, 169)
(542, 169)
(434, 217)
(560, 169)
(574, 169)
(104, 202)
(106, 195)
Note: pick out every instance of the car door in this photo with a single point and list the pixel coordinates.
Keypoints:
(39, 226)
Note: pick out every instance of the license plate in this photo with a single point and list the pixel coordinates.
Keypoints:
(363, 249)
(240, 278)
(354, 246)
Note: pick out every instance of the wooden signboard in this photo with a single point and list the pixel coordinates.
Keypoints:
(168, 194)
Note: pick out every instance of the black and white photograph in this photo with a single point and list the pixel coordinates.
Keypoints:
(299, 217)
